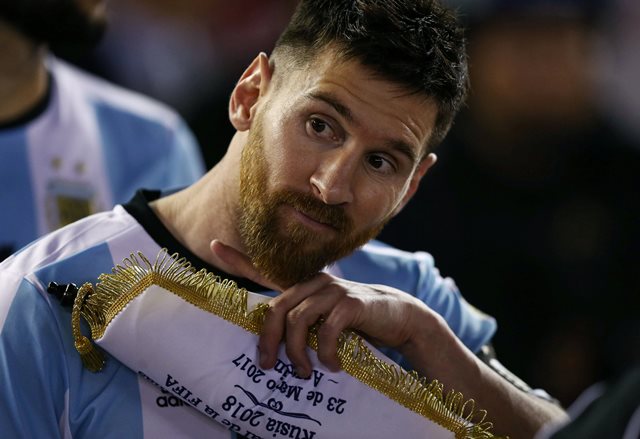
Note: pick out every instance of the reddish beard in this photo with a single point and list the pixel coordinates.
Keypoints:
(288, 252)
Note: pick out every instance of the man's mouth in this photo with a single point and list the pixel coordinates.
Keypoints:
(311, 221)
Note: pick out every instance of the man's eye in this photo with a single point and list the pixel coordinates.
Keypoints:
(318, 125)
(376, 162)
(379, 163)
(319, 128)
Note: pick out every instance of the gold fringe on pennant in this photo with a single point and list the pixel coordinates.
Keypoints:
(89, 354)
(226, 300)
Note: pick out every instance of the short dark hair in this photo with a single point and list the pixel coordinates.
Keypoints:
(418, 44)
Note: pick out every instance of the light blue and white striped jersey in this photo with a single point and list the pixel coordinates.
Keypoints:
(92, 146)
(45, 390)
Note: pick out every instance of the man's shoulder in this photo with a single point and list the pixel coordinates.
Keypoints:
(415, 273)
(63, 243)
(377, 260)
(77, 253)
(111, 99)
(22, 286)
(385, 251)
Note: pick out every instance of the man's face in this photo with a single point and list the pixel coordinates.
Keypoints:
(332, 155)
(73, 22)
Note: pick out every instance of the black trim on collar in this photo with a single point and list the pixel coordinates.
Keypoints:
(138, 208)
(32, 113)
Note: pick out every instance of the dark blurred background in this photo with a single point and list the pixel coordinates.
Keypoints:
(532, 207)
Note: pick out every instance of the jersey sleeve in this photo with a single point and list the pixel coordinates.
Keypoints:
(473, 327)
(416, 274)
(32, 367)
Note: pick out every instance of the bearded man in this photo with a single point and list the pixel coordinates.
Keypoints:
(335, 131)
(72, 144)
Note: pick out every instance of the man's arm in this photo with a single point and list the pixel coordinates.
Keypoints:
(515, 412)
(31, 364)
(388, 317)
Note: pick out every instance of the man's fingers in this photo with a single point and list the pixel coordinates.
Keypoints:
(293, 312)
(328, 334)
(270, 337)
(302, 317)
(275, 322)
(298, 322)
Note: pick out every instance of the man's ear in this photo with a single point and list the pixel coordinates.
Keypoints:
(423, 167)
(252, 85)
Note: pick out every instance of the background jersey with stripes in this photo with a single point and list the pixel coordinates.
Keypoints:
(90, 148)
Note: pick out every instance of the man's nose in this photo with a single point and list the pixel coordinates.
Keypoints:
(332, 180)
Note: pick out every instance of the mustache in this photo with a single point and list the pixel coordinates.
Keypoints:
(334, 216)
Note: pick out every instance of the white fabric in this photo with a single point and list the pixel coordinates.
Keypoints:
(212, 364)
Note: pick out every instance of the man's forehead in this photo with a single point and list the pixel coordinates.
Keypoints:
(330, 61)
(359, 95)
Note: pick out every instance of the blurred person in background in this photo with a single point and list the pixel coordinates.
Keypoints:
(188, 54)
(605, 410)
(533, 204)
(618, 56)
(71, 144)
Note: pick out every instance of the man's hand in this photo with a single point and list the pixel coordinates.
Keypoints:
(386, 316)
(392, 318)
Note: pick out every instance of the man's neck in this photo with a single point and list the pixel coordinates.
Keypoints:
(23, 76)
(206, 210)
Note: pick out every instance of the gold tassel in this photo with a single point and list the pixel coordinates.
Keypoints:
(91, 357)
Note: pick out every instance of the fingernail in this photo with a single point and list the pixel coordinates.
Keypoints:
(264, 360)
(301, 372)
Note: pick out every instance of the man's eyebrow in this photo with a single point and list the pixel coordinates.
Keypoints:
(403, 148)
(330, 99)
(398, 145)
